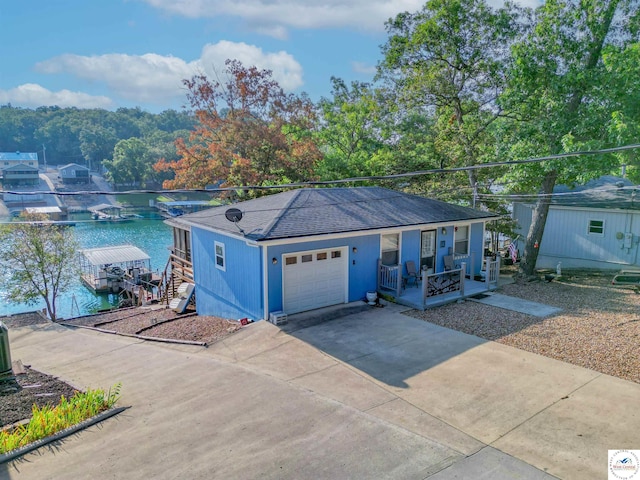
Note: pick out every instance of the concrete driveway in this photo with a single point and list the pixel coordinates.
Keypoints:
(375, 394)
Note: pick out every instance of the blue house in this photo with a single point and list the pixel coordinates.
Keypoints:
(311, 248)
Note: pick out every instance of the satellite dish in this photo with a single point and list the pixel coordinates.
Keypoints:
(233, 215)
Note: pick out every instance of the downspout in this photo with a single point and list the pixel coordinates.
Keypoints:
(265, 283)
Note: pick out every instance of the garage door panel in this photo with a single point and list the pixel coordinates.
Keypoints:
(314, 284)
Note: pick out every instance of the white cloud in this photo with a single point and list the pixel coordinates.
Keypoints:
(286, 70)
(157, 79)
(264, 15)
(272, 17)
(33, 95)
(143, 78)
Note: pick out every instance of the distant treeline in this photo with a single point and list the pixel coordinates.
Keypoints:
(89, 136)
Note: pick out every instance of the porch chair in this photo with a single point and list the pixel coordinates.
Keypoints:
(448, 263)
(412, 273)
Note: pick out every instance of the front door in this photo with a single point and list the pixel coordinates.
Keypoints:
(428, 250)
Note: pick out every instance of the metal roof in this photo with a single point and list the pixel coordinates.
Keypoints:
(103, 206)
(43, 210)
(114, 254)
(318, 211)
(188, 203)
(18, 156)
(76, 166)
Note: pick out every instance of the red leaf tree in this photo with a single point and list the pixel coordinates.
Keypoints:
(250, 132)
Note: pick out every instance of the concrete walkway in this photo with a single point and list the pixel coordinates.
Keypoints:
(518, 305)
(375, 394)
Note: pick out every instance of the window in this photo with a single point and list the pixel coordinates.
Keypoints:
(321, 256)
(390, 249)
(336, 254)
(291, 260)
(307, 258)
(220, 257)
(596, 227)
(461, 237)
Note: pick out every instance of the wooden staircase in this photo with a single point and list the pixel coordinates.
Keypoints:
(177, 271)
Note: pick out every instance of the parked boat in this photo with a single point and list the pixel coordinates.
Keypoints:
(109, 213)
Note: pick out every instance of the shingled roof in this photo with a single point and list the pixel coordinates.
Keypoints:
(320, 211)
(604, 192)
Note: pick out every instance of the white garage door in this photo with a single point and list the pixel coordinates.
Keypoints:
(314, 279)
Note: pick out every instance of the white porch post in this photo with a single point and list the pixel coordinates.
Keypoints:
(487, 272)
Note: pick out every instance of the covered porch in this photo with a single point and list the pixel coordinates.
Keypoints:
(429, 290)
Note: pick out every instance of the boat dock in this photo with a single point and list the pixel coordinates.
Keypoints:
(123, 269)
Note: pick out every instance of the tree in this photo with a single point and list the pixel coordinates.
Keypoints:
(97, 144)
(350, 134)
(249, 132)
(131, 164)
(564, 97)
(37, 261)
(449, 62)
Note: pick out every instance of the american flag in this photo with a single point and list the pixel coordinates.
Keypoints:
(513, 251)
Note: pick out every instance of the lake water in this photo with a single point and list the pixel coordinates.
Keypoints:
(150, 235)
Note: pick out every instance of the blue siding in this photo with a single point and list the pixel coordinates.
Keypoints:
(476, 246)
(362, 265)
(235, 292)
(447, 238)
(410, 249)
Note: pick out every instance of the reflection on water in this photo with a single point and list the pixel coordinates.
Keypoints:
(150, 235)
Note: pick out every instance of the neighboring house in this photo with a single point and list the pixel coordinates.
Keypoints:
(596, 225)
(311, 248)
(19, 168)
(20, 175)
(73, 173)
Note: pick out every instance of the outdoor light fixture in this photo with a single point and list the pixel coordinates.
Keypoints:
(444, 231)
(274, 260)
(354, 250)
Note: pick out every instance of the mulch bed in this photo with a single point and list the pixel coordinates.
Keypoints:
(18, 395)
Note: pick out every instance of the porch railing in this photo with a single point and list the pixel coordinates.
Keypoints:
(444, 282)
(390, 277)
(492, 272)
(469, 259)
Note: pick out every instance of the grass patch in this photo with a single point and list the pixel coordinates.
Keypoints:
(49, 420)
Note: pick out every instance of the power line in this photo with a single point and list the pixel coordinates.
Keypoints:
(559, 156)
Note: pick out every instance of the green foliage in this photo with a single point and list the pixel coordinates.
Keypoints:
(351, 134)
(445, 66)
(567, 89)
(88, 136)
(37, 261)
(49, 420)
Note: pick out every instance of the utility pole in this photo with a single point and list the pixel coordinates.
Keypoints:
(44, 156)
(475, 193)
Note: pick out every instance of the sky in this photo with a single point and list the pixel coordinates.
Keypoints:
(135, 53)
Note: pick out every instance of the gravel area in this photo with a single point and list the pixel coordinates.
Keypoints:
(599, 327)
